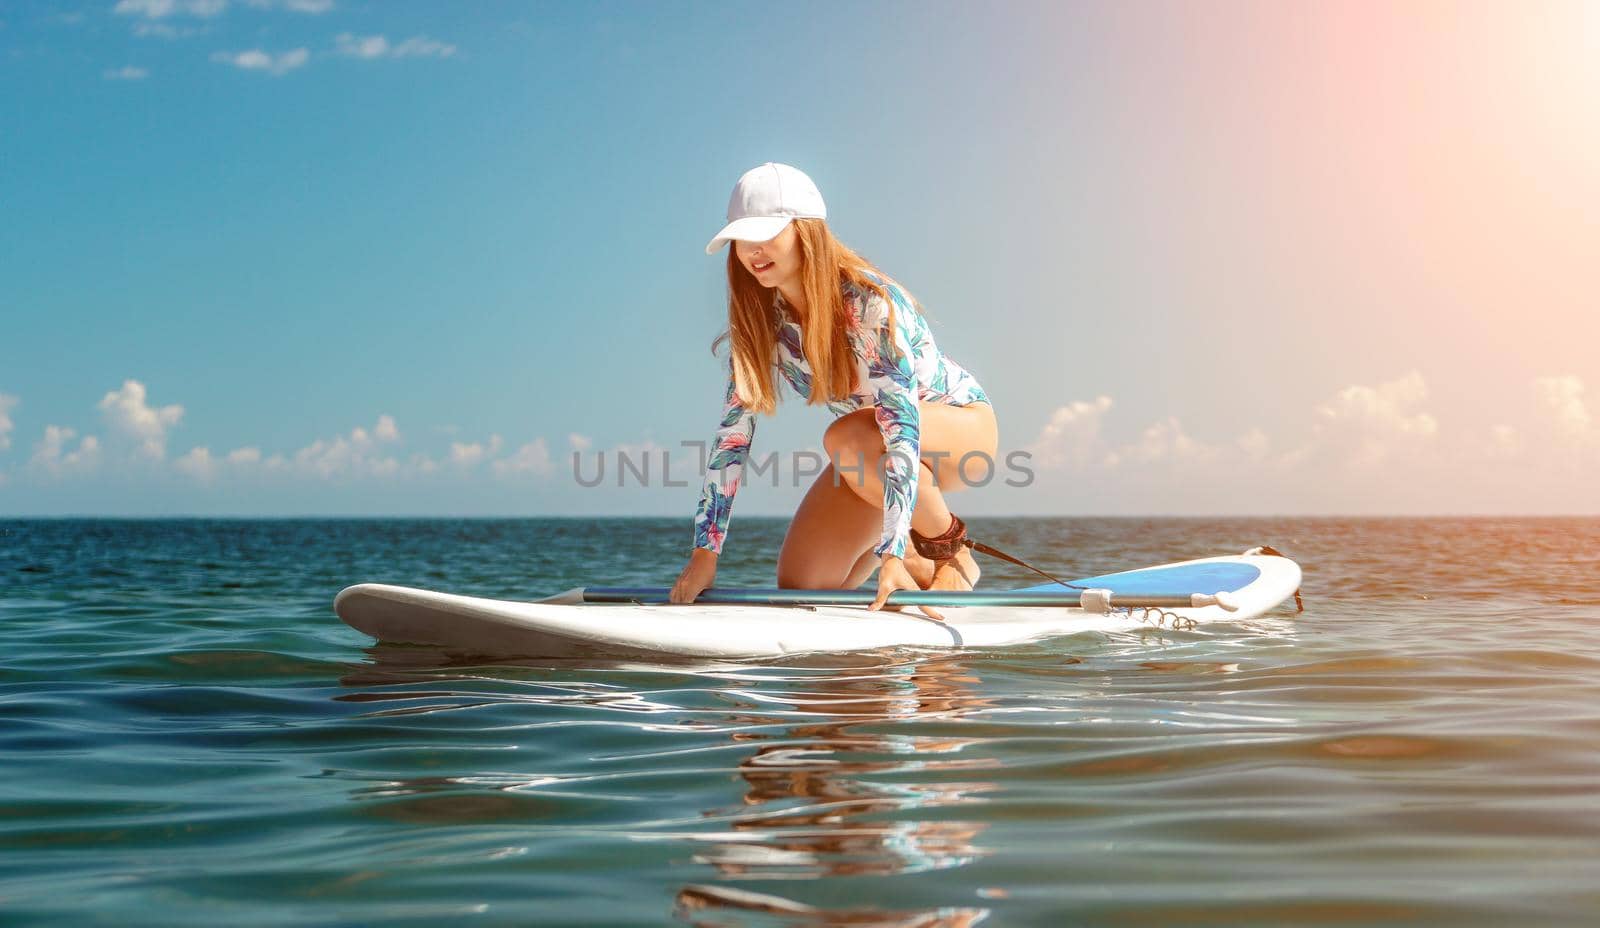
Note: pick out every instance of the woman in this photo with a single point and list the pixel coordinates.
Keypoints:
(845, 335)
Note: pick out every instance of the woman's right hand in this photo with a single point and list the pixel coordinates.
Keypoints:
(696, 576)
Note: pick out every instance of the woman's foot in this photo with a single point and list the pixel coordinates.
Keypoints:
(949, 576)
(962, 565)
(968, 565)
(958, 573)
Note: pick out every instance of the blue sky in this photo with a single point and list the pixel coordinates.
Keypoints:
(1242, 258)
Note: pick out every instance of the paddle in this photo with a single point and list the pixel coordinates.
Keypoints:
(1097, 600)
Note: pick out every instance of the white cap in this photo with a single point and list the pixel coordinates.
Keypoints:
(763, 202)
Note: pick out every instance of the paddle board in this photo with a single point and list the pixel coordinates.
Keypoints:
(564, 625)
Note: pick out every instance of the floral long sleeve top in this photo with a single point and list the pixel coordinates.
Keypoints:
(894, 370)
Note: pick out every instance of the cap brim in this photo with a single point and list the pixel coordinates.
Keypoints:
(748, 229)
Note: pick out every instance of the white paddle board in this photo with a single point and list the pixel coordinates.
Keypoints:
(565, 626)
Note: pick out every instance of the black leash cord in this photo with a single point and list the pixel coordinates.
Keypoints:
(996, 552)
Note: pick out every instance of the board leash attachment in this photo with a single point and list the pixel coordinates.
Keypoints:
(1299, 604)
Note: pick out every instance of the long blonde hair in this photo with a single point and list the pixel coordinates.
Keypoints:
(826, 265)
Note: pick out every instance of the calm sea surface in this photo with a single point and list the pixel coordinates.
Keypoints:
(189, 736)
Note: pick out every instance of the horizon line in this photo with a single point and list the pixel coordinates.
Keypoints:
(751, 516)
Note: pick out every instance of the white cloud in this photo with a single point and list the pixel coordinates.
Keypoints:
(161, 30)
(257, 60)
(467, 455)
(1360, 426)
(126, 73)
(353, 455)
(1072, 436)
(1255, 444)
(330, 458)
(1504, 442)
(126, 411)
(371, 47)
(423, 47)
(313, 7)
(51, 454)
(579, 442)
(49, 448)
(198, 463)
(1367, 425)
(355, 46)
(1166, 441)
(1561, 400)
(161, 9)
(7, 403)
(356, 453)
(531, 458)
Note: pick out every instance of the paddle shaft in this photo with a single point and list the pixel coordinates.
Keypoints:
(771, 596)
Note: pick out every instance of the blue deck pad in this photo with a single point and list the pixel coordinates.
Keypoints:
(1215, 577)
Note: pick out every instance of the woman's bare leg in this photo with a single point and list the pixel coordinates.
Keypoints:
(832, 527)
(830, 519)
(947, 434)
(830, 540)
(865, 565)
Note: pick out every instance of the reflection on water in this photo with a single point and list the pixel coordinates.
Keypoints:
(824, 795)
(816, 804)
(722, 906)
(815, 792)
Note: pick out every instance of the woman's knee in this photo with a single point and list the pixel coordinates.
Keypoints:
(853, 440)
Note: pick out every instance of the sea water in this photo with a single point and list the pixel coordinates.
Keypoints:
(189, 736)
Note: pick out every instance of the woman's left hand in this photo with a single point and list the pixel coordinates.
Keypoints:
(892, 575)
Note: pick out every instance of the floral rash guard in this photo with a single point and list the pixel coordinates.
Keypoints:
(892, 381)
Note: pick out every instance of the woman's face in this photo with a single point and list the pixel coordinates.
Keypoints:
(772, 262)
